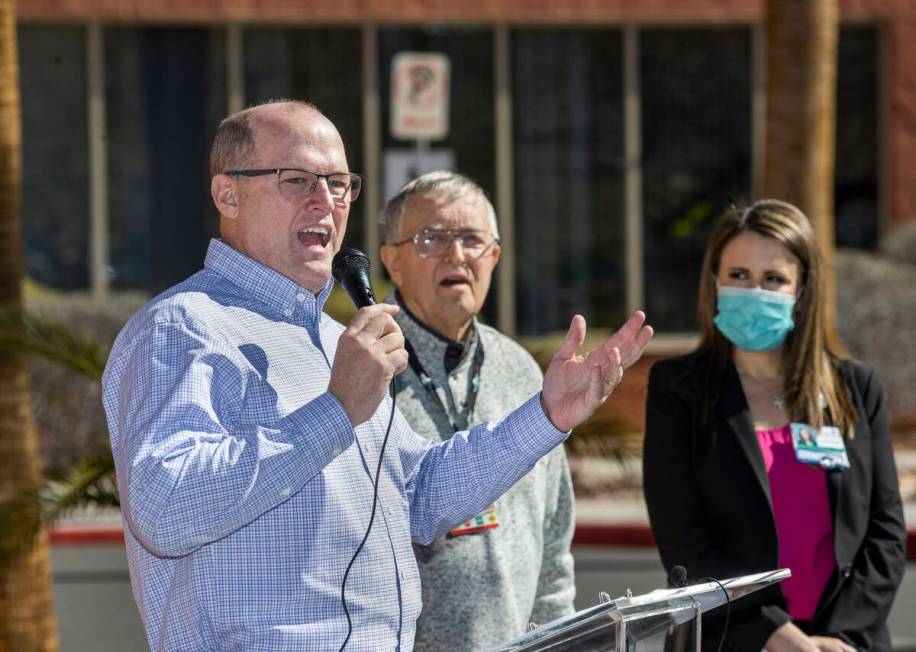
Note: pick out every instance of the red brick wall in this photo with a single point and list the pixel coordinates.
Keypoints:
(473, 11)
(358, 11)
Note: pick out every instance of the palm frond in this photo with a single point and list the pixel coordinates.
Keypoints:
(598, 438)
(91, 481)
(28, 334)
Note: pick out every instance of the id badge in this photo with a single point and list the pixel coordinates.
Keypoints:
(486, 521)
(824, 448)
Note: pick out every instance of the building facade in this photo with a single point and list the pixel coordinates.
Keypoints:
(609, 133)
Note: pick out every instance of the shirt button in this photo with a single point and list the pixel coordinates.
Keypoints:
(367, 446)
(285, 493)
(336, 451)
(300, 297)
(288, 312)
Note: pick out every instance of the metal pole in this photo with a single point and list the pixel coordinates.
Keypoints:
(98, 164)
(371, 143)
(235, 77)
(505, 204)
(632, 139)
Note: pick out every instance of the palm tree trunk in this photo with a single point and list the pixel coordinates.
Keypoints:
(800, 142)
(26, 611)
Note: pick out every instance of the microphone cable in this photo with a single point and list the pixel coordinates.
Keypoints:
(351, 268)
(728, 609)
(378, 474)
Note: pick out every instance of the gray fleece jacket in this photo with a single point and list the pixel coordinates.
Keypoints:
(483, 588)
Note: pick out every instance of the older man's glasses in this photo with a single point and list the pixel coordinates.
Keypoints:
(296, 184)
(432, 243)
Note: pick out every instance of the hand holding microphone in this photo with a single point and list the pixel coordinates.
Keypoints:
(371, 350)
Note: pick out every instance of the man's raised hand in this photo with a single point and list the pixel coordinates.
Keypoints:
(575, 385)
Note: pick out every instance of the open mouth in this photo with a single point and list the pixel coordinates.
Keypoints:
(454, 281)
(314, 236)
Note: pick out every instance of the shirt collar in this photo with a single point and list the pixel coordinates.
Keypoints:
(281, 294)
(436, 351)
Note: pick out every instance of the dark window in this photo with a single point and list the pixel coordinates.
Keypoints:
(856, 177)
(568, 140)
(696, 136)
(166, 95)
(55, 175)
(321, 66)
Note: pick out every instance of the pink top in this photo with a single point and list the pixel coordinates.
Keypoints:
(804, 530)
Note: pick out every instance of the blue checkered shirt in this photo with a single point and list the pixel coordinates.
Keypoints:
(245, 489)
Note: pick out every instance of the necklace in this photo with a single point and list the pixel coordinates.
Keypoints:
(764, 385)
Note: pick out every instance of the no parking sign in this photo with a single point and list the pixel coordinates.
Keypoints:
(419, 95)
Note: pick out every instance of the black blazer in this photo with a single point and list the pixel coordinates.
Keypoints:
(710, 507)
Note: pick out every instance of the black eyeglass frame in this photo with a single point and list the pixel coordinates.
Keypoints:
(452, 234)
(318, 177)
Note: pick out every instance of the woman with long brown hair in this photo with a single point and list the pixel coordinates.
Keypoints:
(734, 484)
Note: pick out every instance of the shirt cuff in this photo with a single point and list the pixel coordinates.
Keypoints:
(533, 430)
(325, 424)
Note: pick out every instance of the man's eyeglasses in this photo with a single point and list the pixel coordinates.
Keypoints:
(295, 183)
(432, 243)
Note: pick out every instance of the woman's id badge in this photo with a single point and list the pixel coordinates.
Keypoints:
(824, 447)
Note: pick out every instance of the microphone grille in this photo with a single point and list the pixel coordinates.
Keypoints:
(678, 576)
(347, 261)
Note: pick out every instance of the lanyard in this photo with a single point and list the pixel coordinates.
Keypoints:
(430, 386)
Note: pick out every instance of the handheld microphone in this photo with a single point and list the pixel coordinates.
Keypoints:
(350, 268)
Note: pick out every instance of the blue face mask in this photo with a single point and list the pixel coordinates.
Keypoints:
(754, 319)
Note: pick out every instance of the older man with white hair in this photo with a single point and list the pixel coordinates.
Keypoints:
(486, 579)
